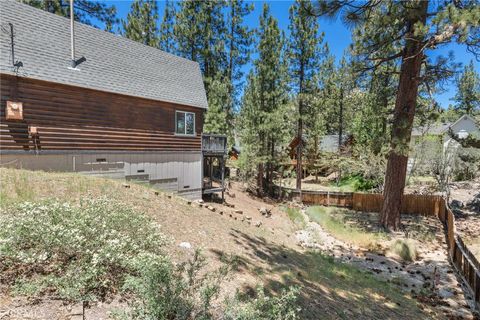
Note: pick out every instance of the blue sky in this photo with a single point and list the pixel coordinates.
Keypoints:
(336, 34)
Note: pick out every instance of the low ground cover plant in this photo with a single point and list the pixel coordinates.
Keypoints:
(296, 216)
(333, 221)
(96, 248)
(82, 252)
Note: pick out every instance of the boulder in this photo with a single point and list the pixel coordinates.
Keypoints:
(185, 245)
(456, 204)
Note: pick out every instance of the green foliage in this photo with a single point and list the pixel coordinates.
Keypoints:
(467, 97)
(263, 119)
(216, 118)
(405, 249)
(357, 182)
(168, 291)
(83, 252)
(141, 23)
(84, 10)
(166, 36)
(263, 307)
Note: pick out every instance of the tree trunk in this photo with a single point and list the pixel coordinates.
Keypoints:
(402, 122)
(340, 121)
(299, 147)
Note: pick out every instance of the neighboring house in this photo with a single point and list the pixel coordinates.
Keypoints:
(328, 143)
(127, 111)
(427, 141)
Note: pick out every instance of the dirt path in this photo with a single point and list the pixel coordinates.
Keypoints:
(431, 273)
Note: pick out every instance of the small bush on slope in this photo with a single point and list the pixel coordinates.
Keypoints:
(264, 307)
(405, 249)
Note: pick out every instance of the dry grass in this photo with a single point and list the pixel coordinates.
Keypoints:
(335, 221)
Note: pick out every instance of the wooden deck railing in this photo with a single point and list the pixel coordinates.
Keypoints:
(462, 258)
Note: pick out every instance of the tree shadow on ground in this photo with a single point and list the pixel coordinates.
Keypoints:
(329, 289)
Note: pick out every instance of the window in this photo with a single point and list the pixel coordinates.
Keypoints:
(184, 122)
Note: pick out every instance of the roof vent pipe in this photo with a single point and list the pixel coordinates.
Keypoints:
(72, 36)
(74, 63)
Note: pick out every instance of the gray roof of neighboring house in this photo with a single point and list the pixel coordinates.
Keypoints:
(434, 129)
(329, 142)
(114, 63)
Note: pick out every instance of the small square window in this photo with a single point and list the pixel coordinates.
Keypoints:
(185, 123)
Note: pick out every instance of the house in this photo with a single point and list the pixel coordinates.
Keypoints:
(464, 126)
(120, 109)
(328, 143)
(428, 141)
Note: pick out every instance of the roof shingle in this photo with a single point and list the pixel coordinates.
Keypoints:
(114, 63)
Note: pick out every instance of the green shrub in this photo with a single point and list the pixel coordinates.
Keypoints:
(283, 306)
(166, 291)
(80, 251)
(405, 249)
(356, 183)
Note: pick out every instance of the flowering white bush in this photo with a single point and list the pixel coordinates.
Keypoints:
(81, 251)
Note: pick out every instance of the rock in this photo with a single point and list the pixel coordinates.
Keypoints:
(126, 185)
(200, 201)
(258, 224)
(211, 208)
(185, 245)
(265, 212)
(456, 204)
(238, 211)
(474, 204)
(248, 217)
(445, 293)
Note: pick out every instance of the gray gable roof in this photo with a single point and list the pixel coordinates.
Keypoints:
(114, 64)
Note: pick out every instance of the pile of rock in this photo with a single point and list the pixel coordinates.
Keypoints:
(265, 212)
(474, 204)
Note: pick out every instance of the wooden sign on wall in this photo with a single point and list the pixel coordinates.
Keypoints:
(14, 110)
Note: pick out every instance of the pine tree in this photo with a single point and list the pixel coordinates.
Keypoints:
(467, 97)
(84, 10)
(239, 40)
(263, 119)
(305, 55)
(141, 23)
(411, 28)
(167, 37)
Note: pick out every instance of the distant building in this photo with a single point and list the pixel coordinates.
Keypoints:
(428, 141)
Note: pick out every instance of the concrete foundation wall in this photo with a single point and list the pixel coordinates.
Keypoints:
(177, 172)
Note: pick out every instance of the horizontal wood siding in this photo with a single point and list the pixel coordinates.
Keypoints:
(73, 118)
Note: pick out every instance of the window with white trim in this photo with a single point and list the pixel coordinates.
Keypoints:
(184, 122)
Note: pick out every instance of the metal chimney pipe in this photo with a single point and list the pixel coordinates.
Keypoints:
(72, 35)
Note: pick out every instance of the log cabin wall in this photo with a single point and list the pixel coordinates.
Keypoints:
(74, 118)
(101, 134)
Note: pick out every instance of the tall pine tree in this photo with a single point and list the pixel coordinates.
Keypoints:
(305, 56)
(467, 97)
(141, 23)
(263, 118)
(166, 34)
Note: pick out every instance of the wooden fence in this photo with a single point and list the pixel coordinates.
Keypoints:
(462, 258)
